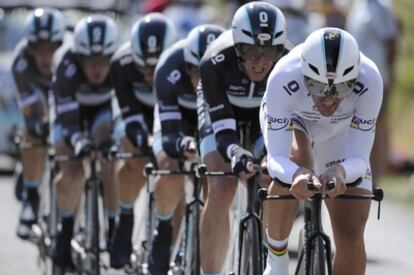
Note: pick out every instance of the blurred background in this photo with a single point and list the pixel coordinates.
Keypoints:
(385, 32)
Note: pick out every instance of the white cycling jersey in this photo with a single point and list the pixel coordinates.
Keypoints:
(346, 137)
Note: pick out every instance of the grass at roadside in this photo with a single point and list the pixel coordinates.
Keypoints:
(399, 190)
(402, 98)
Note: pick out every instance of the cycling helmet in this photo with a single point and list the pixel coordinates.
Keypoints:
(198, 40)
(45, 25)
(95, 35)
(150, 36)
(330, 62)
(259, 29)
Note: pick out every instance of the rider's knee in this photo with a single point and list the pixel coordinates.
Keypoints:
(221, 191)
(349, 235)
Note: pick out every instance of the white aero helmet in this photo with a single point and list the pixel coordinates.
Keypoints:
(150, 36)
(259, 28)
(198, 40)
(45, 25)
(95, 35)
(330, 62)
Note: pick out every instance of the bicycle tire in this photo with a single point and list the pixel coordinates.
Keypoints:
(300, 269)
(250, 262)
(318, 257)
(18, 184)
(92, 227)
(192, 242)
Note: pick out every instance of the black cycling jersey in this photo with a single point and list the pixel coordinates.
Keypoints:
(176, 97)
(32, 89)
(72, 91)
(231, 96)
(135, 96)
(26, 75)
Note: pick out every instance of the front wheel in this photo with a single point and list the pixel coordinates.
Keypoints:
(250, 259)
(318, 257)
(192, 242)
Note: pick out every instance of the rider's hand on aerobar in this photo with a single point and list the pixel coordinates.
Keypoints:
(83, 147)
(240, 158)
(188, 146)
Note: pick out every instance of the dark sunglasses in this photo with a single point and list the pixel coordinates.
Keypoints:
(252, 52)
(320, 89)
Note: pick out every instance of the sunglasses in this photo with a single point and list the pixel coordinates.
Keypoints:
(252, 52)
(321, 89)
(44, 46)
(100, 60)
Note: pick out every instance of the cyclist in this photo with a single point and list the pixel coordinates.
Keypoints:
(176, 79)
(44, 31)
(234, 72)
(132, 73)
(83, 96)
(332, 93)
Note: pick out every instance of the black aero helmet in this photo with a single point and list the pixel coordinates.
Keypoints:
(150, 36)
(258, 24)
(198, 40)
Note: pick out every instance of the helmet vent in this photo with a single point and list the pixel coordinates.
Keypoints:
(278, 34)
(313, 68)
(249, 34)
(348, 70)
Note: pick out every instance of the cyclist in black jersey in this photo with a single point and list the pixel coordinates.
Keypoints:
(132, 73)
(44, 31)
(175, 125)
(83, 95)
(234, 72)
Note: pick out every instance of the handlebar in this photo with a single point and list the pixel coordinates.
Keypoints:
(377, 194)
(329, 186)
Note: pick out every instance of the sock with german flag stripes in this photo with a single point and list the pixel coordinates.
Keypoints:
(278, 257)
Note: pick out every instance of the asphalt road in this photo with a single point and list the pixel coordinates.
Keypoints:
(389, 242)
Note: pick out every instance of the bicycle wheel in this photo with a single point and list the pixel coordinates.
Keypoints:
(92, 227)
(300, 268)
(192, 241)
(250, 260)
(318, 257)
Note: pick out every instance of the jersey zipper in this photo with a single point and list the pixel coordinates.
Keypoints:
(251, 89)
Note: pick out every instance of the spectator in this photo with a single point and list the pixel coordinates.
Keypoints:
(375, 27)
(187, 14)
(297, 22)
(326, 13)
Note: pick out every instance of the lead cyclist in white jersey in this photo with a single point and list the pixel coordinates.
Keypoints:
(324, 95)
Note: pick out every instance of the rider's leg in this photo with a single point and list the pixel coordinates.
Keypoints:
(130, 182)
(33, 161)
(215, 224)
(348, 229)
(68, 193)
(101, 131)
(280, 215)
(169, 190)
